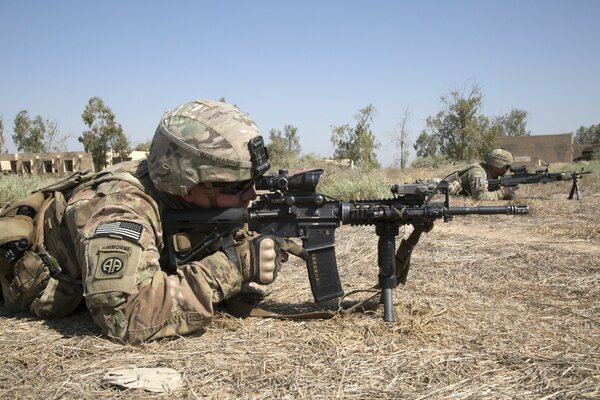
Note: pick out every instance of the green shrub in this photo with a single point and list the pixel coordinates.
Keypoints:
(16, 187)
(354, 184)
(430, 162)
(294, 163)
(593, 166)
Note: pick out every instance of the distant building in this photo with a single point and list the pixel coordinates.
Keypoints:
(538, 150)
(342, 163)
(56, 163)
(133, 155)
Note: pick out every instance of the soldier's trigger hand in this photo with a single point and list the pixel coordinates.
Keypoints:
(260, 257)
(291, 247)
(508, 193)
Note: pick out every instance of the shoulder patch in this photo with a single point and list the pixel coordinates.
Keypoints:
(123, 229)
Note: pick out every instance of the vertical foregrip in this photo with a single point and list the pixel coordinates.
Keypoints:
(386, 248)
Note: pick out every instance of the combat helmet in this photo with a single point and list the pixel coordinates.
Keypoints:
(498, 158)
(205, 141)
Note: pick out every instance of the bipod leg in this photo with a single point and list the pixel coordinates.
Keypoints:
(388, 305)
(575, 191)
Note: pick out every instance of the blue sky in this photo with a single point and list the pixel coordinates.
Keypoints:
(312, 64)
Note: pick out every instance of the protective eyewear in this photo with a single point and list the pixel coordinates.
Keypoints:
(234, 187)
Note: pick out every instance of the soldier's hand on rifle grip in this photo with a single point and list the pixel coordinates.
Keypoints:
(261, 257)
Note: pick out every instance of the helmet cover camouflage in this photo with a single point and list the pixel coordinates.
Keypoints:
(498, 158)
(201, 141)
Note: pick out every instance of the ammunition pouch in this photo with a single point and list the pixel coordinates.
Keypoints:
(30, 277)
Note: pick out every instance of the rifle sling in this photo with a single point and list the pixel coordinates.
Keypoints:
(240, 309)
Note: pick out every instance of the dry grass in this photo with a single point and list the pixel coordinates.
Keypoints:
(494, 308)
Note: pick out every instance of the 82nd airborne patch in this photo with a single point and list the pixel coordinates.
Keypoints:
(112, 261)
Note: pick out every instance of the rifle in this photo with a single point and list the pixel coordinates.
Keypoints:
(292, 208)
(520, 175)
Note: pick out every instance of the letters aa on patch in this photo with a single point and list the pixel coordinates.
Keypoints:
(112, 262)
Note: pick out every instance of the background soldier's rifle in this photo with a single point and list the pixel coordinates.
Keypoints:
(292, 208)
(520, 176)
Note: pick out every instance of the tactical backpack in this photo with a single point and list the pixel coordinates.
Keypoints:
(39, 270)
(38, 266)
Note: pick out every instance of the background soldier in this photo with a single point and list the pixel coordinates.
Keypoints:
(473, 180)
(105, 243)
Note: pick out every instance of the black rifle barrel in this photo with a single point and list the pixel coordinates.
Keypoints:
(490, 210)
(437, 210)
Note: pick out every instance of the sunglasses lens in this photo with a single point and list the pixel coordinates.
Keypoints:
(237, 187)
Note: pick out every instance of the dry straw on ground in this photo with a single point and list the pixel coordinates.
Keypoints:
(495, 307)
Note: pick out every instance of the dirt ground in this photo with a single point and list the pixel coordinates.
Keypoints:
(495, 307)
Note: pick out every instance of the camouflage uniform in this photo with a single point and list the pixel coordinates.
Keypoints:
(473, 180)
(130, 297)
(115, 235)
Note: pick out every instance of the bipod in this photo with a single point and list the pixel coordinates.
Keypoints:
(575, 188)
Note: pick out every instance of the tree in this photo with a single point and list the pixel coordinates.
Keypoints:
(2, 143)
(53, 140)
(458, 127)
(426, 145)
(588, 135)
(400, 141)
(29, 133)
(120, 148)
(37, 135)
(104, 133)
(283, 147)
(357, 143)
(145, 146)
(459, 131)
(512, 124)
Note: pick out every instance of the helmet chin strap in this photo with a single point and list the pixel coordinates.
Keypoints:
(210, 193)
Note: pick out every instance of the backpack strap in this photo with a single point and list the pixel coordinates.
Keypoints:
(39, 242)
(67, 184)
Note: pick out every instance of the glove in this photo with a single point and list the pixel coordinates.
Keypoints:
(158, 380)
(260, 257)
(508, 193)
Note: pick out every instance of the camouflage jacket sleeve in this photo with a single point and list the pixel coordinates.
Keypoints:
(475, 182)
(118, 237)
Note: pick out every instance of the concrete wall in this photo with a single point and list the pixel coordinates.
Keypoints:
(539, 149)
(133, 155)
